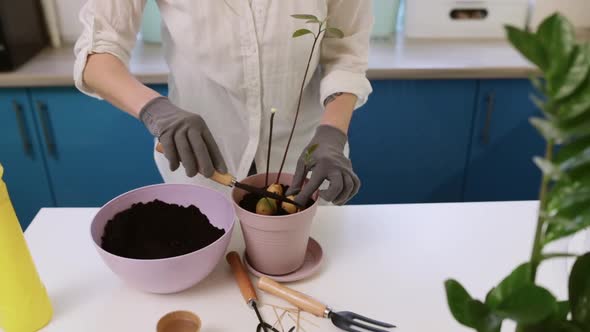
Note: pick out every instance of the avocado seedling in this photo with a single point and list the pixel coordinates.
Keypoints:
(266, 206)
(322, 30)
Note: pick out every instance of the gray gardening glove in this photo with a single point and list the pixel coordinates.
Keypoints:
(327, 162)
(184, 137)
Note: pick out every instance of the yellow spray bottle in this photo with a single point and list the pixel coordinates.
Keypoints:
(24, 304)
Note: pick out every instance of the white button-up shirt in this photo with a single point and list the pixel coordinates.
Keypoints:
(231, 61)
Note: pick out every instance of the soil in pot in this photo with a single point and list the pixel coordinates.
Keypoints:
(156, 230)
(251, 199)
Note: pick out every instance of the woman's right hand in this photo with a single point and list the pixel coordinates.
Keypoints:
(184, 136)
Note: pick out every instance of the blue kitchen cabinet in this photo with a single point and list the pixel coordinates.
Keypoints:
(94, 152)
(410, 142)
(22, 156)
(503, 144)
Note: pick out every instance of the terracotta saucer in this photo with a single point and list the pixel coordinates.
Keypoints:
(313, 260)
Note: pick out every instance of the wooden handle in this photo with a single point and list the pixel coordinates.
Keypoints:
(298, 299)
(242, 278)
(224, 179)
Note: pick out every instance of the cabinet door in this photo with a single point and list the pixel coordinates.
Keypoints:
(409, 144)
(503, 144)
(94, 151)
(22, 156)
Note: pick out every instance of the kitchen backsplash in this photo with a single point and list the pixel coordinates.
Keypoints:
(577, 10)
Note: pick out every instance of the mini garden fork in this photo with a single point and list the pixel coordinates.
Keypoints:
(345, 320)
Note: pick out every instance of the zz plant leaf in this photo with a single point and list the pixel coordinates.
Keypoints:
(547, 129)
(579, 291)
(470, 312)
(529, 46)
(518, 279)
(564, 198)
(528, 305)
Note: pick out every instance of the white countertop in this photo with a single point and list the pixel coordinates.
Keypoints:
(388, 262)
(395, 59)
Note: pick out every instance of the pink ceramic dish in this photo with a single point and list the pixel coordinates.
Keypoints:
(169, 275)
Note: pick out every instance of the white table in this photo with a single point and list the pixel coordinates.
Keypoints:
(388, 262)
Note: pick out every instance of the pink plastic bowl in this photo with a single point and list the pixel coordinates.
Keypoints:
(169, 275)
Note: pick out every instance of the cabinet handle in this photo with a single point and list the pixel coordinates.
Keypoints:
(22, 128)
(490, 102)
(46, 127)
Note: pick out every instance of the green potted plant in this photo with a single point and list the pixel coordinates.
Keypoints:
(564, 197)
(276, 234)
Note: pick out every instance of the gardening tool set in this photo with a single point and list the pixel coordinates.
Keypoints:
(345, 320)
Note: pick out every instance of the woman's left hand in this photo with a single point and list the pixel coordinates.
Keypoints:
(326, 162)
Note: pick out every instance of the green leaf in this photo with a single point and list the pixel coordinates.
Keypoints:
(485, 320)
(555, 323)
(553, 326)
(459, 303)
(548, 168)
(576, 105)
(560, 227)
(577, 127)
(469, 312)
(563, 310)
(305, 17)
(576, 161)
(538, 84)
(528, 45)
(313, 21)
(575, 75)
(548, 130)
(528, 305)
(579, 291)
(519, 278)
(334, 33)
(557, 36)
(312, 149)
(572, 149)
(301, 32)
(547, 107)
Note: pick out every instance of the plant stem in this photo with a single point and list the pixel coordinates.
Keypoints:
(299, 103)
(272, 118)
(537, 256)
(552, 255)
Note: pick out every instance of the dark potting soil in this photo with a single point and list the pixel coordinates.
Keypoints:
(157, 230)
(251, 199)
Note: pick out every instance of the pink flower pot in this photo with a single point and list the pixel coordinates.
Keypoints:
(275, 245)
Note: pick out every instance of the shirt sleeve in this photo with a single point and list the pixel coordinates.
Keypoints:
(345, 61)
(109, 26)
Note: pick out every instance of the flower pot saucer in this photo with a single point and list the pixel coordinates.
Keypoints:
(313, 260)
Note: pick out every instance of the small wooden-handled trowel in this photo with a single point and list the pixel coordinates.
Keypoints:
(247, 289)
(230, 181)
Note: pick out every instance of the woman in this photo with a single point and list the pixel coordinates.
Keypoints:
(230, 62)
